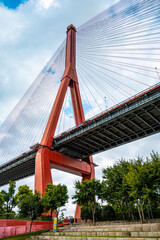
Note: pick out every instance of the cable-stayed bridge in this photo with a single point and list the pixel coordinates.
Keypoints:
(111, 67)
(133, 119)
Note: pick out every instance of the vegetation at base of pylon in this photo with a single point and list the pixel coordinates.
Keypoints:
(102, 213)
(31, 205)
(7, 201)
(1, 203)
(86, 195)
(133, 188)
(130, 190)
(56, 196)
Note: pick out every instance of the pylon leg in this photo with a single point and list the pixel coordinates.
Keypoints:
(89, 177)
(42, 170)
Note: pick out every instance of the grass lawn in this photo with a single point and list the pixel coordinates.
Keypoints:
(24, 236)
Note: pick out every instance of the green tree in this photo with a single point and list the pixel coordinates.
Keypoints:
(152, 193)
(9, 199)
(23, 191)
(144, 181)
(31, 206)
(1, 203)
(87, 193)
(135, 180)
(56, 196)
(114, 191)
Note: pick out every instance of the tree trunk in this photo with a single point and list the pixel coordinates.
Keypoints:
(132, 215)
(130, 212)
(7, 211)
(30, 227)
(142, 210)
(148, 214)
(140, 216)
(93, 215)
(123, 216)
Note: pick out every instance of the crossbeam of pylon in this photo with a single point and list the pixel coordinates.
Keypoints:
(46, 156)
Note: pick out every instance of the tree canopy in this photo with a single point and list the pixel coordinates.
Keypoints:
(23, 191)
(9, 200)
(31, 206)
(1, 203)
(133, 184)
(56, 196)
(87, 193)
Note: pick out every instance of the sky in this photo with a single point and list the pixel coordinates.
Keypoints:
(31, 31)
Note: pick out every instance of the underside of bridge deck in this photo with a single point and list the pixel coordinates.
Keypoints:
(128, 122)
(18, 168)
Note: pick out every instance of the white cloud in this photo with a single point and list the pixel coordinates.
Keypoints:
(47, 4)
(2, 135)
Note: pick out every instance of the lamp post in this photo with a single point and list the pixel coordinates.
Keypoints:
(105, 102)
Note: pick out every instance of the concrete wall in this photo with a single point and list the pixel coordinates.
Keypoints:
(14, 227)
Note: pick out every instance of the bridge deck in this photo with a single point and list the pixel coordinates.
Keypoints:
(20, 167)
(133, 119)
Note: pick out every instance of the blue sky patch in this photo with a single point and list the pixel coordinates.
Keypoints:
(87, 108)
(50, 70)
(112, 11)
(12, 4)
(132, 9)
(69, 110)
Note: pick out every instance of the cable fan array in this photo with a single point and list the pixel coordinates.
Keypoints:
(117, 56)
(26, 123)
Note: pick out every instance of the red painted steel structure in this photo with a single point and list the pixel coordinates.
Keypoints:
(10, 228)
(46, 154)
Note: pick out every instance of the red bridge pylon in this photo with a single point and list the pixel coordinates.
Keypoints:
(46, 154)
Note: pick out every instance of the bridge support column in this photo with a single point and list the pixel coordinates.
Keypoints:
(42, 170)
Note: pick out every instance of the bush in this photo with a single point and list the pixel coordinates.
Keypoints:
(108, 213)
(103, 213)
(8, 215)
